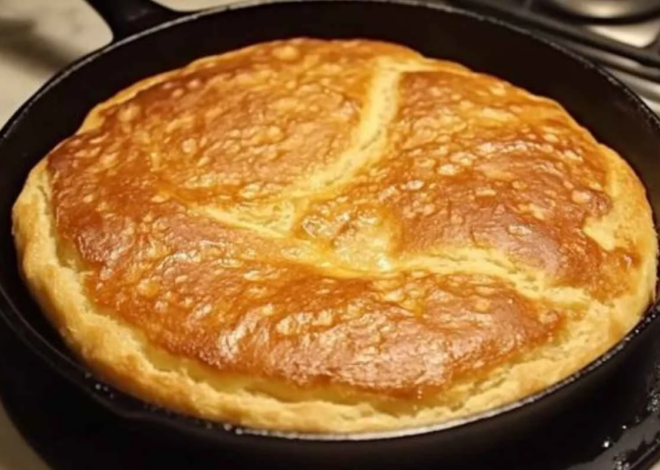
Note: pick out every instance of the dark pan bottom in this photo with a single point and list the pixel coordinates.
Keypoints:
(619, 428)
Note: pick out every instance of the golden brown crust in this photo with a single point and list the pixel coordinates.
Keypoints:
(335, 236)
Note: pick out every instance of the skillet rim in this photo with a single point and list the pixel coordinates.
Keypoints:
(119, 402)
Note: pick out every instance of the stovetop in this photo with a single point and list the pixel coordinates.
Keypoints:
(622, 35)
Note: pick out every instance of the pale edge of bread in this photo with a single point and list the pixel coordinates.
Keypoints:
(120, 354)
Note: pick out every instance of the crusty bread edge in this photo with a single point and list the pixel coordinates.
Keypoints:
(122, 357)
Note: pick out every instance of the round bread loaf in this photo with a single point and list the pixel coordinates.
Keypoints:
(334, 236)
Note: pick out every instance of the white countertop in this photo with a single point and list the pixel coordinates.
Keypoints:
(37, 38)
(40, 37)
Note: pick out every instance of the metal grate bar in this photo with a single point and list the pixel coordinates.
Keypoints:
(524, 15)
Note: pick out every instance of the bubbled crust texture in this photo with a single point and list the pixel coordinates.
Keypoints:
(335, 236)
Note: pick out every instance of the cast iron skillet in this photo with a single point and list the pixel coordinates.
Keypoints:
(149, 39)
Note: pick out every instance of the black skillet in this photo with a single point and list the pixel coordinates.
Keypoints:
(150, 39)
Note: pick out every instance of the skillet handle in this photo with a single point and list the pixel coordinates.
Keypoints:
(127, 17)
